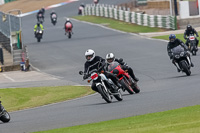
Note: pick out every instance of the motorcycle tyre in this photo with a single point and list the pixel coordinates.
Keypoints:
(185, 68)
(5, 119)
(69, 35)
(126, 86)
(106, 96)
(38, 39)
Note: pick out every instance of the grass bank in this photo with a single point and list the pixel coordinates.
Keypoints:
(21, 98)
(119, 25)
(183, 120)
(179, 36)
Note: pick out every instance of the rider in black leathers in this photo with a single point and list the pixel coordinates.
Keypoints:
(174, 42)
(96, 62)
(189, 30)
(110, 58)
(40, 12)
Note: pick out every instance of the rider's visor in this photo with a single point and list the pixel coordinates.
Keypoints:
(88, 57)
(109, 60)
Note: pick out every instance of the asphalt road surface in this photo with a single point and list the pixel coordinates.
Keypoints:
(58, 60)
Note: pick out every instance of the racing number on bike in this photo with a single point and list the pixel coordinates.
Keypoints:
(95, 75)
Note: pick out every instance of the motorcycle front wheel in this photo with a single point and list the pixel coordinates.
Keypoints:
(105, 94)
(5, 117)
(69, 35)
(126, 86)
(185, 68)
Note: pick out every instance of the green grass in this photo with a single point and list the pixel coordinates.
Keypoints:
(183, 120)
(119, 25)
(179, 36)
(21, 98)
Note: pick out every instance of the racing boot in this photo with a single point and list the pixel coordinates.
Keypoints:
(178, 69)
(192, 65)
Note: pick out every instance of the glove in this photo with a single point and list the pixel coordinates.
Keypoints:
(188, 52)
(85, 77)
(171, 57)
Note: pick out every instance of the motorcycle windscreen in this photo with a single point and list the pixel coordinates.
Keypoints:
(177, 50)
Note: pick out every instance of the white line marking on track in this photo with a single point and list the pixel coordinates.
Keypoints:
(8, 78)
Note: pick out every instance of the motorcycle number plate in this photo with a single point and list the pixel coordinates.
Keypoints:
(94, 76)
(192, 37)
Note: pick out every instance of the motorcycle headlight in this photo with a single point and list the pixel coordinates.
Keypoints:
(182, 54)
(40, 32)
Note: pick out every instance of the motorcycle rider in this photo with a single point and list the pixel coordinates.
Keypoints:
(174, 42)
(96, 1)
(189, 30)
(67, 21)
(38, 25)
(38, 15)
(43, 10)
(96, 62)
(81, 7)
(53, 12)
(110, 57)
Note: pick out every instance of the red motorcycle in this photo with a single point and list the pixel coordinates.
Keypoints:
(68, 30)
(125, 79)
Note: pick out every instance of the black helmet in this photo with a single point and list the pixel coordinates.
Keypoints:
(38, 24)
(172, 37)
(189, 27)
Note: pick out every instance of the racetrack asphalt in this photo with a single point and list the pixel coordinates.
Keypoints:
(60, 59)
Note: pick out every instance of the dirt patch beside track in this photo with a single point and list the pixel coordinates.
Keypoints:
(29, 5)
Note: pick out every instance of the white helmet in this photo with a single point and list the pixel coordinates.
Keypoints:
(67, 19)
(90, 53)
(110, 58)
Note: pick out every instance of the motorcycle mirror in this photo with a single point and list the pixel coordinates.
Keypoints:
(120, 60)
(81, 72)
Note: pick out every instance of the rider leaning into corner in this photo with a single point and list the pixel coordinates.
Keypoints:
(174, 42)
(96, 62)
(111, 57)
(189, 30)
(67, 21)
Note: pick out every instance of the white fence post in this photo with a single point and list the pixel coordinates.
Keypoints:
(115, 12)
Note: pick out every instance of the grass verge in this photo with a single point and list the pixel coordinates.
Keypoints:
(21, 98)
(119, 25)
(179, 36)
(183, 120)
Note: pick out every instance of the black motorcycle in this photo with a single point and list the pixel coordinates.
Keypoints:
(53, 19)
(104, 85)
(192, 44)
(181, 58)
(39, 34)
(4, 115)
